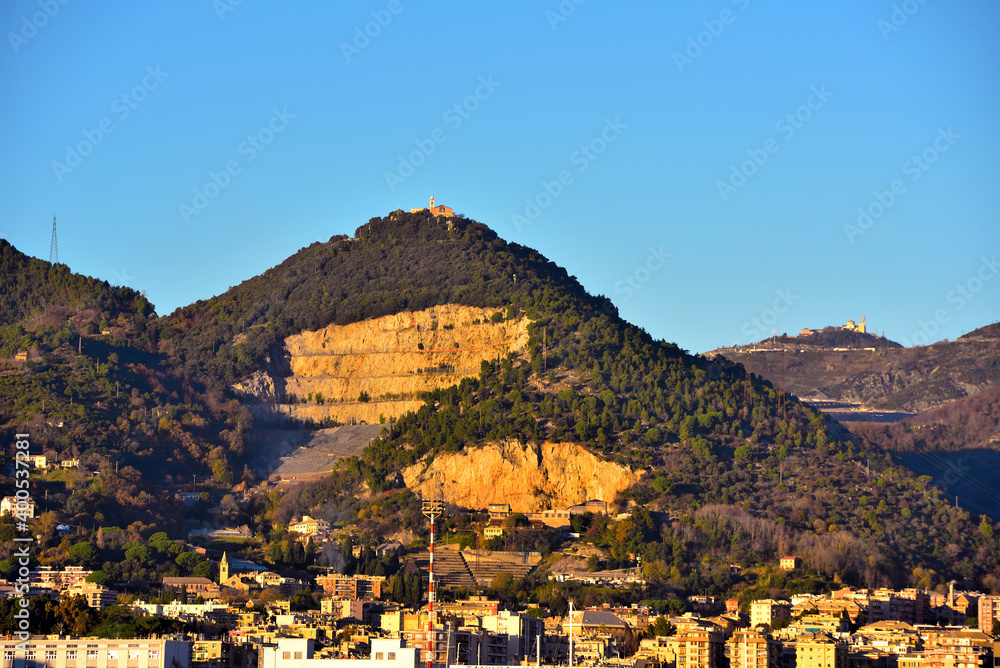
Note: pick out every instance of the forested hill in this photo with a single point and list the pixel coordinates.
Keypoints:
(405, 261)
(30, 287)
(748, 473)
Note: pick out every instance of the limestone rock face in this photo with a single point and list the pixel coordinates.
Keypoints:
(529, 478)
(393, 360)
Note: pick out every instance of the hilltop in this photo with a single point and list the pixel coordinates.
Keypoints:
(885, 376)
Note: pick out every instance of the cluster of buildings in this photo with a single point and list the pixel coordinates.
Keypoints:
(849, 628)
(559, 519)
(851, 326)
(355, 628)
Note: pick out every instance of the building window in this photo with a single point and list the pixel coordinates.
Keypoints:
(71, 655)
(91, 653)
(30, 655)
(286, 655)
(379, 656)
(392, 656)
(112, 655)
(298, 655)
(50, 655)
(133, 654)
(154, 654)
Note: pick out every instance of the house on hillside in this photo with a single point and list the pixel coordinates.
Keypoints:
(499, 512)
(8, 506)
(193, 586)
(309, 525)
(595, 506)
(790, 563)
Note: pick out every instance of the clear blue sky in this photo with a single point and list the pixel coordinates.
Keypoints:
(663, 120)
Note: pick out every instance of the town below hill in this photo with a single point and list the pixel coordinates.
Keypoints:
(248, 616)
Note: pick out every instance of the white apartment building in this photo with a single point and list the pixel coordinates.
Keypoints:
(298, 653)
(71, 652)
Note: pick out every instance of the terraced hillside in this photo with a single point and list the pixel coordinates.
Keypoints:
(380, 368)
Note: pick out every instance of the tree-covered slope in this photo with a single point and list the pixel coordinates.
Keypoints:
(29, 287)
(405, 261)
(776, 475)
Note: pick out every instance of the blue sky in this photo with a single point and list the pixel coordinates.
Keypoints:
(702, 164)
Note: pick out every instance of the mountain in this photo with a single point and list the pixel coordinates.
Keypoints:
(481, 355)
(889, 377)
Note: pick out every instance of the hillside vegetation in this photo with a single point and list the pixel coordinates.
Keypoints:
(734, 471)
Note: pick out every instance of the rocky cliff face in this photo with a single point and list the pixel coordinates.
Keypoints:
(390, 360)
(529, 478)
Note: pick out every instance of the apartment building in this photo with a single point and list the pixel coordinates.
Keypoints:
(768, 611)
(820, 650)
(354, 587)
(71, 652)
(753, 649)
(699, 643)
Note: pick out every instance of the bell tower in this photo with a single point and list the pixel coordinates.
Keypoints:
(432, 203)
(223, 569)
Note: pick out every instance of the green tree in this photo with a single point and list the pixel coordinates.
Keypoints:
(99, 577)
(83, 554)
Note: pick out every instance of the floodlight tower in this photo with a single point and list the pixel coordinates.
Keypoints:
(432, 509)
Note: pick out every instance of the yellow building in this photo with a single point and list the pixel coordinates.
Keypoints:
(752, 649)
(768, 611)
(851, 326)
(699, 643)
(819, 650)
(492, 532)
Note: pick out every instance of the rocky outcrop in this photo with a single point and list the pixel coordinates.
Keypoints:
(259, 385)
(380, 368)
(530, 478)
